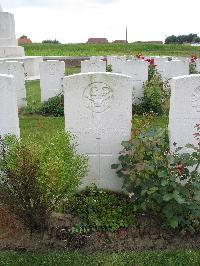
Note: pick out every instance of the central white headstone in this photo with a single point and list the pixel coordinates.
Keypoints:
(98, 110)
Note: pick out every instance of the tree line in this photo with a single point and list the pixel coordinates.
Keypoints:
(180, 39)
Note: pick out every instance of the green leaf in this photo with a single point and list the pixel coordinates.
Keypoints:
(178, 197)
(174, 222)
(125, 144)
(164, 183)
(114, 166)
(190, 146)
(162, 174)
(152, 190)
(168, 197)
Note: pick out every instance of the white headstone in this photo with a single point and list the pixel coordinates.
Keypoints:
(160, 63)
(98, 110)
(31, 65)
(116, 62)
(175, 68)
(93, 66)
(9, 121)
(16, 69)
(8, 42)
(184, 110)
(198, 65)
(138, 70)
(51, 76)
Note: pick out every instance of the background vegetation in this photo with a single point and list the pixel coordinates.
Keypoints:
(37, 49)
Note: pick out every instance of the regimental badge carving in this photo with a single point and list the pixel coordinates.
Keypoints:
(196, 99)
(52, 69)
(98, 97)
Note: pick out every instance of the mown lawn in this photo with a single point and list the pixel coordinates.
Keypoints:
(146, 258)
(109, 49)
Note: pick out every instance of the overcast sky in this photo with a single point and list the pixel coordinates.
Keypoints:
(76, 20)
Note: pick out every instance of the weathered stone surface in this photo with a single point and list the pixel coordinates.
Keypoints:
(17, 70)
(138, 70)
(93, 66)
(175, 68)
(116, 62)
(98, 110)
(9, 121)
(51, 77)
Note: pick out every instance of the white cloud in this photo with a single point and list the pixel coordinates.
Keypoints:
(77, 20)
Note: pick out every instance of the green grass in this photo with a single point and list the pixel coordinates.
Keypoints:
(42, 128)
(148, 258)
(109, 49)
(72, 70)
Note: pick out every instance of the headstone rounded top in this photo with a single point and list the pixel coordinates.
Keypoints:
(1, 9)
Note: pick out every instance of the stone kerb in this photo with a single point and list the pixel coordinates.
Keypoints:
(52, 73)
(9, 120)
(138, 70)
(16, 69)
(184, 110)
(93, 66)
(98, 111)
(97, 57)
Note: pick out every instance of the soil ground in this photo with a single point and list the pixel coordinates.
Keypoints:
(146, 235)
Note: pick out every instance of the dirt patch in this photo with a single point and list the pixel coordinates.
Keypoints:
(145, 235)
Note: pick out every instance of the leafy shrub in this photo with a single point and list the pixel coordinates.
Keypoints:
(53, 107)
(192, 68)
(151, 72)
(101, 210)
(159, 181)
(155, 98)
(35, 178)
(109, 68)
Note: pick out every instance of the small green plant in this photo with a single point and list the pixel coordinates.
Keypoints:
(53, 107)
(155, 99)
(109, 68)
(159, 181)
(36, 178)
(101, 210)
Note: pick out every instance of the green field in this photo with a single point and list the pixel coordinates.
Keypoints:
(109, 49)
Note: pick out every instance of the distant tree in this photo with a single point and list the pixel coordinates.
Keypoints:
(190, 38)
(171, 39)
(23, 37)
(51, 41)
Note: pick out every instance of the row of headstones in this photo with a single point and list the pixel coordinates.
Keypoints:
(52, 73)
(98, 110)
